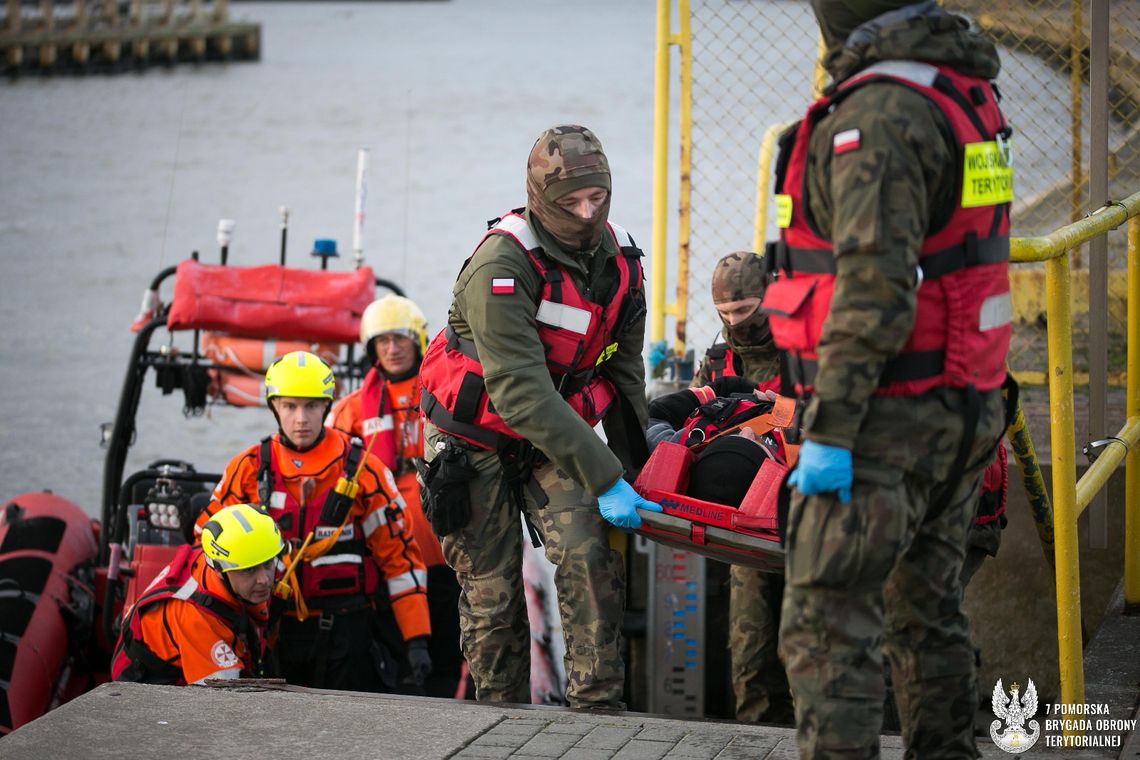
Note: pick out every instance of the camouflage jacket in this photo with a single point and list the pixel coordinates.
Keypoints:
(876, 203)
(757, 363)
(505, 333)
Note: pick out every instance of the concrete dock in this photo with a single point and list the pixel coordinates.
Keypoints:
(253, 722)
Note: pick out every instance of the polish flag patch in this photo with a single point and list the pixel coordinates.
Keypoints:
(502, 286)
(846, 141)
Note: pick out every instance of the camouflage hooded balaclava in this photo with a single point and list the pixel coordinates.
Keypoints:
(565, 159)
(738, 276)
(838, 18)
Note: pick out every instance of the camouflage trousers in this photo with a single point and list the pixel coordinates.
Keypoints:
(880, 575)
(589, 577)
(758, 678)
(983, 541)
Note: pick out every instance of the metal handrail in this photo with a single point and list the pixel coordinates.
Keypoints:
(1060, 241)
(1070, 497)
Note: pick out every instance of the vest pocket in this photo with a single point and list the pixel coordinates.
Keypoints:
(796, 308)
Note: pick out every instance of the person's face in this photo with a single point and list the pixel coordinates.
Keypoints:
(583, 203)
(396, 353)
(300, 418)
(735, 312)
(254, 584)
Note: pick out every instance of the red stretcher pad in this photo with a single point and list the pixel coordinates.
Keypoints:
(271, 301)
(745, 536)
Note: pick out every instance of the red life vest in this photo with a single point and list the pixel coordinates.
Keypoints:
(577, 333)
(720, 361)
(397, 426)
(347, 569)
(963, 312)
(133, 660)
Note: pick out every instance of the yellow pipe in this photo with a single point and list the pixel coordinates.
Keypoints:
(660, 172)
(1031, 377)
(1132, 412)
(1064, 446)
(763, 182)
(685, 193)
(819, 74)
(1105, 465)
(1076, 70)
(1071, 235)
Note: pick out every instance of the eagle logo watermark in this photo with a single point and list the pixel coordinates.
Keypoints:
(1015, 712)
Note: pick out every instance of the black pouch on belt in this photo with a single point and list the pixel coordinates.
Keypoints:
(446, 498)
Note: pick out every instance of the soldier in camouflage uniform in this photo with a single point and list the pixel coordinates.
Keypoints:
(758, 678)
(503, 311)
(886, 485)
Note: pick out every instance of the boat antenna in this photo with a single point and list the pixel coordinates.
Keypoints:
(225, 237)
(358, 216)
(284, 230)
(173, 176)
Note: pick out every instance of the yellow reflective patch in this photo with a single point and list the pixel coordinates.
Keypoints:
(607, 352)
(783, 211)
(987, 177)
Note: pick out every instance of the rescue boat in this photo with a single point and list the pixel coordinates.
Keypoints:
(65, 578)
(48, 548)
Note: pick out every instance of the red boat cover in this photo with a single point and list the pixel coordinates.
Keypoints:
(271, 301)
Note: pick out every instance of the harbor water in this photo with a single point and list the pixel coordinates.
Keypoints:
(105, 180)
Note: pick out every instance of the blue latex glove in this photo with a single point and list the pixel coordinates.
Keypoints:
(657, 353)
(822, 468)
(619, 505)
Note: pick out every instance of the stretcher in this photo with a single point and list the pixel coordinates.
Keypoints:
(746, 535)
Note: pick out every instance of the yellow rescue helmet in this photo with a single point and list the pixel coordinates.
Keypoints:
(240, 537)
(299, 374)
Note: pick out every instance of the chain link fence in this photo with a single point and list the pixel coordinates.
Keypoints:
(753, 64)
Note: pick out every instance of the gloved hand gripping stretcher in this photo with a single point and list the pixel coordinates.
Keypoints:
(717, 484)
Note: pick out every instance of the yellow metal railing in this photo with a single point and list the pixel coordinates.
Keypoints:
(763, 182)
(658, 255)
(660, 173)
(1070, 497)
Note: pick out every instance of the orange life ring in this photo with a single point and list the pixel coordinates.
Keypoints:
(253, 355)
(237, 388)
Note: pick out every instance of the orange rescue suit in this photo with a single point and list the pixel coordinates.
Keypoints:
(390, 409)
(190, 641)
(377, 525)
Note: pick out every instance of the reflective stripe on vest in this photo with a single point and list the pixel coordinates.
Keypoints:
(318, 578)
(963, 311)
(577, 334)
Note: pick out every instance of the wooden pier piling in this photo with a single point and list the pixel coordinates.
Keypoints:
(66, 36)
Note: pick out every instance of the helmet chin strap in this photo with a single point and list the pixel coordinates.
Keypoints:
(233, 593)
(410, 372)
(285, 438)
(300, 449)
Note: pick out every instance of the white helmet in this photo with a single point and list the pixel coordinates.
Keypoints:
(393, 314)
